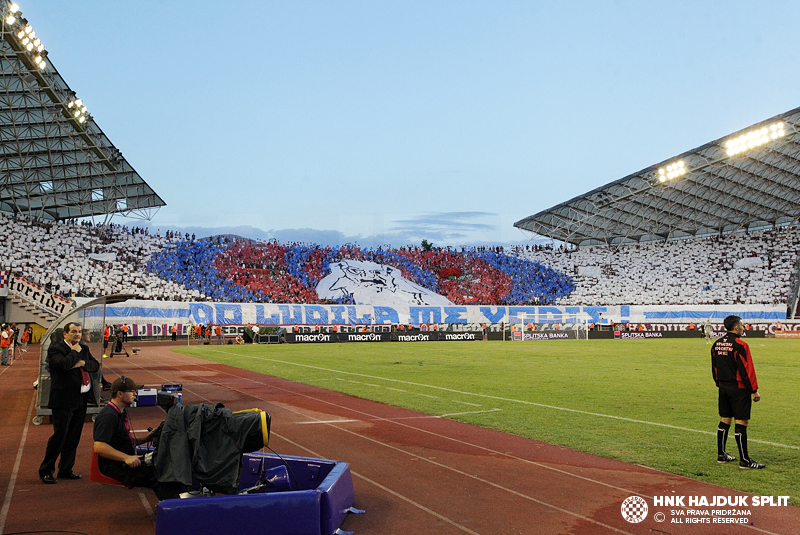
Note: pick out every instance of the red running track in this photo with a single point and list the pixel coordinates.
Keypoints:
(413, 474)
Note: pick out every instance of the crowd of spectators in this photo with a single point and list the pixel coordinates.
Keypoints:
(81, 259)
(746, 268)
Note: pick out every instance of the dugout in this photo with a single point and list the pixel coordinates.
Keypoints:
(92, 316)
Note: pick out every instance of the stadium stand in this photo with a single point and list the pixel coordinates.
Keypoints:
(747, 268)
(70, 259)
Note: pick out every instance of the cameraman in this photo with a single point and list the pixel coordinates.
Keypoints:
(115, 444)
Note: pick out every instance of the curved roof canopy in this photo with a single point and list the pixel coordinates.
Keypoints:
(55, 162)
(750, 178)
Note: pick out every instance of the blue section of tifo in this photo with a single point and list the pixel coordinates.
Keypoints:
(191, 263)
(321, 495)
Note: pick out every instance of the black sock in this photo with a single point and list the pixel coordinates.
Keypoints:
(722, 437)
(741, 441)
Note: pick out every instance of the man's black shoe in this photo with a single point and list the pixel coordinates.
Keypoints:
(68, 475)
(49, 479)
(750, 464)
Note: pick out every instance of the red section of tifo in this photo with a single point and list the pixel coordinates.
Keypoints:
(413, 473)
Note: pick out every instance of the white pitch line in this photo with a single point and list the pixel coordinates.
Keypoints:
(511, 400)
(467, 403)
(469, 412)
(15, 471)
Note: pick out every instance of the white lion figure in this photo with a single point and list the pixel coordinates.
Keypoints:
(369, 283)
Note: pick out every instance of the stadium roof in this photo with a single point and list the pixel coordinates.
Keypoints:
(748, 179)
(55, 162)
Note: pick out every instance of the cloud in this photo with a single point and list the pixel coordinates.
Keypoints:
(440, 228)
(446, 222)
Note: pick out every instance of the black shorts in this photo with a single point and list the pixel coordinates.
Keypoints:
(734, 403)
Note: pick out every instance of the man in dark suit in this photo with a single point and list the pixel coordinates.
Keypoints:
(70, 389)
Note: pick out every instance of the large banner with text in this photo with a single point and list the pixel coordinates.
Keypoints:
(171, 312)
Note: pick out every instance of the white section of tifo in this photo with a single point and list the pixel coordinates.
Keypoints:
(376, 284)
(169, 312)
(747, 268)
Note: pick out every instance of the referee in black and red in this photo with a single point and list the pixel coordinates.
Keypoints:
(735, 375)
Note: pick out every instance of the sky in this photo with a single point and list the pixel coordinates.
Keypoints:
(386, 122)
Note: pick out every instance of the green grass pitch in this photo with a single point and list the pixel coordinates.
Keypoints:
(651, 402)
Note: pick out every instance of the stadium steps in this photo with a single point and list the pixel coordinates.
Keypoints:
(34, 309)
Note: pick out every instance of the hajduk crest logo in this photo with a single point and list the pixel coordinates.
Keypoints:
(634, 509)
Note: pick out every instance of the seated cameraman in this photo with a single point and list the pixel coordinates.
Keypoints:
(115, 443)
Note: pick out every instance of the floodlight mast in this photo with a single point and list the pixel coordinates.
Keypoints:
(31, 52)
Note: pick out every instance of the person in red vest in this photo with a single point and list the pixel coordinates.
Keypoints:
(208, 333)
(106, 334)
(218, 332)
(26, 338)
(174, 332)
(5, 343)
(124, 333)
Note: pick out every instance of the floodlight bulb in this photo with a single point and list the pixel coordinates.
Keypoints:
(79, 102)
(774, 135)
(780, 125)
(773, 127)
(763, 131)
(82, 120)
(21, 34)
(76, 113)
(13, 8)
(25, 41)
(29, 46)
(780, 133)
(683, 170)
(42, 65)
(69, 104)
(40, 48)
(32, 34)
(37, 42)
(11, 19)
(661, 171)
(680, 163)
(662, 178)
(28, 29)
(750, 144)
